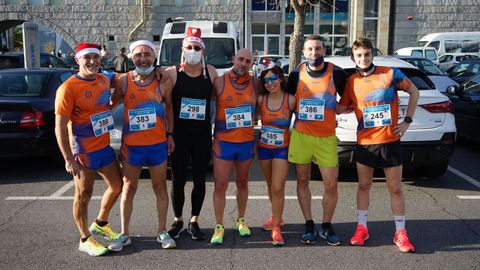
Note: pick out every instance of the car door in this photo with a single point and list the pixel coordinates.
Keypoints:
(467, 109)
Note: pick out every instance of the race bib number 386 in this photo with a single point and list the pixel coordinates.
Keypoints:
(142, 119)
(101, 123)
(377, 116)
(238, 117)
(312, 109)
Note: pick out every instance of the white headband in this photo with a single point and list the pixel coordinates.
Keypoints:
(86, 51)
(140, 43)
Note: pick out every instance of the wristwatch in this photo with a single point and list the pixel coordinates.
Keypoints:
(408, 119)
(169, 134)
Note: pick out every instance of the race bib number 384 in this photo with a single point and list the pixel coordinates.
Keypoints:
(238, 117)
(377, 116)
(101, 123)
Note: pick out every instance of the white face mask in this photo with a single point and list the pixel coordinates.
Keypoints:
(144, 71)
(193, 57)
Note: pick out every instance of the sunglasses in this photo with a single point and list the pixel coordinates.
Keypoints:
(270, 79)
(190, 47)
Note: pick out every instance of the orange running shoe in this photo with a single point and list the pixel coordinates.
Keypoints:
(401, 240)
(360, 236)
(268, 225)
(277, 238)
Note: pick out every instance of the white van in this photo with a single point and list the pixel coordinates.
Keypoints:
(424, 52)
(221, 42)
(448, 42)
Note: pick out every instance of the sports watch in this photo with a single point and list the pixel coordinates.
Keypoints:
(407, 119)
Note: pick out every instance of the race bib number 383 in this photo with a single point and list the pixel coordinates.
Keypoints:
(312, 109)
(377, 116)
(142, 119)
(193, 109)
(101, 123)
(238, 117)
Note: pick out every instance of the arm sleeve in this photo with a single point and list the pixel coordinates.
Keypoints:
(293, 78)
(339, 78)
(64, 101)
(400, 81)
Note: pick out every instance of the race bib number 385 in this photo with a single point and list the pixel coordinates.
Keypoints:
(142, 119)
(312, 109)
(238, 117)
(101, 123)
(272, 136)
(377, 116)
(193, 109)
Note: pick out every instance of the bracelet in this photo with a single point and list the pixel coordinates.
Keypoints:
(170, 134)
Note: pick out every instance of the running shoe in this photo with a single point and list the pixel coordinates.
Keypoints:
(242, 227)
(195, 232)
(217, 237)
(310, 233)
(277, 238)
(177, 228)
(92, 247)
(268, 225)
(327, 233)
(401, 240)
(360, 236)
(105, 232)
(118, 244)
(166, 241)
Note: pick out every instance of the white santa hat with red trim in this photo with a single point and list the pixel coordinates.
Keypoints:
(85, 48)
(137, 43)
(194, 34)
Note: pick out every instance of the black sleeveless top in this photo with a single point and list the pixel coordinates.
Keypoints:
(194, 88)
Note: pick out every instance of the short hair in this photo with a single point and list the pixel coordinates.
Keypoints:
(314, 37)
(364, 43)
(277, 71)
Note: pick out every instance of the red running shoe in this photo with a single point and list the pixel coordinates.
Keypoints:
(268, 225)
(401, 240)
(277, 238)
(360, 236)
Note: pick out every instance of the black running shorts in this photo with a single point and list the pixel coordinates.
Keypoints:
(379, 155)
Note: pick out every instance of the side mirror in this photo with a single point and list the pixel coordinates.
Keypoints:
(451, 90)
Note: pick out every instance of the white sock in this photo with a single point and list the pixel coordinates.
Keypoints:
(399, 223)
(362, 216)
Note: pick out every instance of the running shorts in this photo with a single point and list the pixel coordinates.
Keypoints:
(97, 159)
(305, 149)
(149, 155)
(232, 151)
(382, 155)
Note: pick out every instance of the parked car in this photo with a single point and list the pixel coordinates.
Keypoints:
(16, 60)
(27, 119)
(466, 103)
(464, 70)
(424, 52)
(429, 142)
(438, 77)
(111, 65)
(448, 60)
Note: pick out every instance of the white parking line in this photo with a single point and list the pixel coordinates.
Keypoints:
(464, 176)
(63, 189)
(66, 198)
(468, 197)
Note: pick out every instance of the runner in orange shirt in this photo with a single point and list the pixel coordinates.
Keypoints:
(82, 125)
(373, 93)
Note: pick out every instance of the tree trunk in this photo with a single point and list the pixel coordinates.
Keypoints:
(296, 38)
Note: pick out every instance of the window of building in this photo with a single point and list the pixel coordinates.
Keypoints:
(156, 37)
(109, 2)
(35, 2)
(178, 3)
(370, 24)
(111, 38)
(266, 5)
(133, 2)
(223, 2)
(290, 12)
(155, 2)
(200, 2)
(57, 2)
(12, 2)
(265, 38)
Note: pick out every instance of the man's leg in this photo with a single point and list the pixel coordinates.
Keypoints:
(130, 184)
(83, 192)
(112, 176)
(242, 170)
(365, 178)
(221, 172)
(158, 174)
(330, 194)
(303, 190)
(394, 184)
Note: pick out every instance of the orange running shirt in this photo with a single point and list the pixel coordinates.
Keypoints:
(375, 100)
(316, 101)
(86, 103)
(235, 112)
(275, 132)
(144, 114)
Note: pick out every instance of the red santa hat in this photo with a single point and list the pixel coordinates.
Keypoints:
(266, 64)
(194, 34)
(140, 43)
(85, 48)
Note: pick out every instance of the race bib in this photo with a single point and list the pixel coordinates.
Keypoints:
(101, 123)
(193, 109)
(272, 136)
(142, 119)
(377, 116)
(238, 117)
(312, 109)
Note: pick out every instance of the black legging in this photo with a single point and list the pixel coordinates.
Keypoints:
(197, 146)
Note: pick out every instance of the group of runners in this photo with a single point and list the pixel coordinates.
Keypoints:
(168, 113)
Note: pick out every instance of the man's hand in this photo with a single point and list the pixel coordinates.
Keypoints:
(72, 167)
(170, 144)
(401, 128)
(161, 74)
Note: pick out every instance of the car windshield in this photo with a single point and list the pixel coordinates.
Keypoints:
(219, 52)
(422, 43)
(473, 84)
(22, 85)
(426, 66)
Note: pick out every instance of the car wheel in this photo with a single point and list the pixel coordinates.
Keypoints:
(433, 171)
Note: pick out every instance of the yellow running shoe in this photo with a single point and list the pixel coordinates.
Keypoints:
(92, 247)
(105, 232)
(242, 227)
(217, 238)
